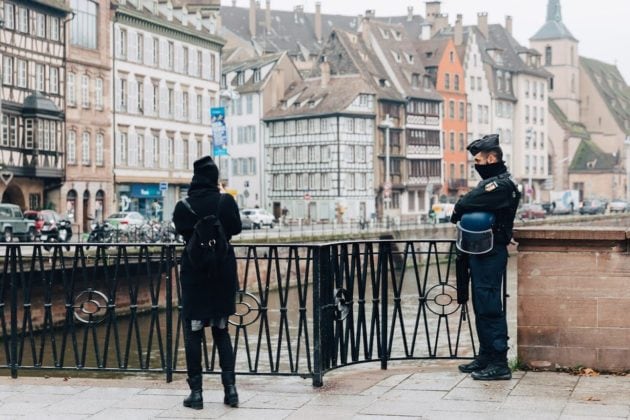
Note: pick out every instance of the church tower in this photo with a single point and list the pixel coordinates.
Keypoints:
(559, 50)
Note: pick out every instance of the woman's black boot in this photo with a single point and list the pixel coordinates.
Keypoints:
(229, 387)
(195, 399)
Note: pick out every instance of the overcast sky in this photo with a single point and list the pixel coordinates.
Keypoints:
(602, 26)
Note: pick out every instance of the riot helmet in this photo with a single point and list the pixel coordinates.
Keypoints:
(474, 232)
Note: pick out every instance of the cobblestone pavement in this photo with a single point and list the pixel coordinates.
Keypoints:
(407, 390)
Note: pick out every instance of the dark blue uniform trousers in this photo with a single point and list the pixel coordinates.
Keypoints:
(487, 275)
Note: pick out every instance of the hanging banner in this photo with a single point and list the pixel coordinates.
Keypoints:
(219, 132)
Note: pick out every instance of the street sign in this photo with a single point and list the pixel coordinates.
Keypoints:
(163, 186)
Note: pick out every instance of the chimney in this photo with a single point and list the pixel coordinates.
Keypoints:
(252, 18)
(169, 11)
(508, 24)
(324, 68)
(297, 13)
(268, 16)
(233, 3)
(440, 22)
(409, 13)
(318, 21)
(458, 32)
(482, 23)
(432, 10)
(370, 14)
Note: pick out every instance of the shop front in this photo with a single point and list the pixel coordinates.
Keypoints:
(146, 199)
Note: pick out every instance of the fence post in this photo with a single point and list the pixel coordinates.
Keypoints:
(318, 372)
(13, 362)
(171, 262)
(322, 313)
(385, 258)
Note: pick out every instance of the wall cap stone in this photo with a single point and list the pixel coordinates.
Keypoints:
(572, 238)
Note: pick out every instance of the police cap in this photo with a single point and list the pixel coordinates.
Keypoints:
(484, 144)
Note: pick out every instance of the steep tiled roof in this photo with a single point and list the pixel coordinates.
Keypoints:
(431, 50)
(399, 54)
(309, 97)
(612, 87)
(590, 158)
(250, 85)
(576, 129)
(54, 4)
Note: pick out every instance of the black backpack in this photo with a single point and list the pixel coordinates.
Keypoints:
(207, 247)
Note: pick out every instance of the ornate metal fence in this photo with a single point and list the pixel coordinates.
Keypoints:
(302, 309)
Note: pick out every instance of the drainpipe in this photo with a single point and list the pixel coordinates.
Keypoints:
(113, 138)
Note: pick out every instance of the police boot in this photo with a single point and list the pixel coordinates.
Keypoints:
(195, 399)
(478, 364)
(493, 372)
(229, 388)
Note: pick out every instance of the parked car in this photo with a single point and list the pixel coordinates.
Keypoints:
(618, 206)
(124, 219)
(593, 207)
(531, 211)
(246, 222)
(14, 225)
(50, 226)
(259, 217)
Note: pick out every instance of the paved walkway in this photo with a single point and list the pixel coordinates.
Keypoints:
(420, 390)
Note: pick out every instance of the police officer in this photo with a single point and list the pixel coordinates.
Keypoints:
(497, 194)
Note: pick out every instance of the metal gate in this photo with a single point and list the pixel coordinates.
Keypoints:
(303, 309)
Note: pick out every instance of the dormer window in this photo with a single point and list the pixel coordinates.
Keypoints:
(240, 78)
(256, 75)
(384, 33)
(396, 55)
(396, 35)
(409, 58)
(415, 80)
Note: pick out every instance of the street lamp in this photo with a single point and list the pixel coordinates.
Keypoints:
(387, 124)
(528, 135)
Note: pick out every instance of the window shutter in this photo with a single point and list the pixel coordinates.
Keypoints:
(205, 66)
(117, 157)
(163, 53)
(132, 159)
(163, 101)
(148, 149)
(163, 151)
(179, 152)
(205, 116)
(117, 48)
(192, 151)
(148, 50)
(133, 96)
(148, 96)
(117, 94)
(205, 146)
(192, 109)
(178, 105)
(191, 61)
(132, 40)
(179, 57)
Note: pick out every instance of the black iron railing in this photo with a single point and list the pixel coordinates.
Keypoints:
(301, 310)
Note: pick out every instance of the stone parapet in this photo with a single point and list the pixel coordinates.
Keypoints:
(574, 297)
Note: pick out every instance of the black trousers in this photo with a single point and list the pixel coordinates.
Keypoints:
(193, 345)
(487, 280)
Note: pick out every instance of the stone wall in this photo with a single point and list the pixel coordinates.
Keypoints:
(574, 297)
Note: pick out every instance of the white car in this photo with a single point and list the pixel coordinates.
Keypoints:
(259, 217)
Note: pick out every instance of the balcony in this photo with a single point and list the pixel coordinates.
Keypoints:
(457, 183)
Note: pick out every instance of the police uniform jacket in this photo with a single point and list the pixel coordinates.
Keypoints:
(498, 195)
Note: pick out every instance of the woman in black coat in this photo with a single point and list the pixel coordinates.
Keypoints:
(208, 302)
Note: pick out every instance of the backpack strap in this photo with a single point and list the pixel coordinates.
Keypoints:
(190, 209)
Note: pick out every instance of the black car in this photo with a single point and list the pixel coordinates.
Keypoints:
(593, 207)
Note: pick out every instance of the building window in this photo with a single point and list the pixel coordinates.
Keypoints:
(84, 25)
(199, 108)
(472, 83)
(462, 145)
(123, 95)
(98, 93)
(171, 102)
(185, 100)
(156, 98)
(85, 91)
(139, 48)
(140, 96)
(85, 148)
(122, 148)
(22, 21)
(39, 77)
(122, 44)
(54, 28)
(456, 82)
(40, 25)
(156, 150)
(72, 147)
(452, 141)
(156, 51)
(547, 56)
(9, 16)
(171, 55)
(185, 60)
(447, 81)
(72, 97)
(250, 104)
(7, 70)
(199, 64)
(462, 112)
(99, 146)
(451, 109)
(21, 73)
(53, 81)
(479, 87)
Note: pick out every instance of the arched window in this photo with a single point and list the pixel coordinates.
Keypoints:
(71, 203)
(547, 55)
(99, 205)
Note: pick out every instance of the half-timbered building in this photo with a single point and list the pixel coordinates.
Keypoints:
(319, 149)
(32, 50)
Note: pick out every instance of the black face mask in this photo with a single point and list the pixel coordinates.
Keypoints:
(490, 170)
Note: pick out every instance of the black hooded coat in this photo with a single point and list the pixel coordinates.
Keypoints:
(203, 298)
